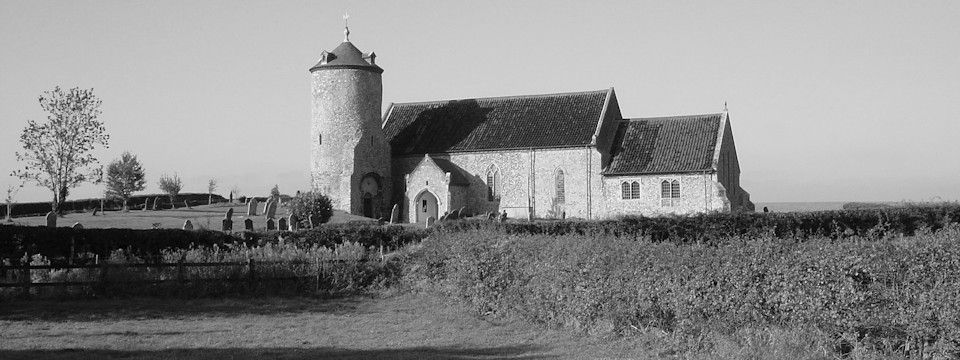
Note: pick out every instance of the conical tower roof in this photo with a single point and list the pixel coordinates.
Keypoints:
(347, 56)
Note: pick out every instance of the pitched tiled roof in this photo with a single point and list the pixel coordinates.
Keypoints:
(554, 120)
(665, 145)
(458, 176)
(347, 56)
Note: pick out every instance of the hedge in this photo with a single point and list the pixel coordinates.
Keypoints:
(56, 243)
(717, 227)
(83, 205)
(709, 229)
(895, 293)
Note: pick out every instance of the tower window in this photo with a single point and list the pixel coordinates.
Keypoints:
(319, 139)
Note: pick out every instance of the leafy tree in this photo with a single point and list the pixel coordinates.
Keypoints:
(211, 187)
(172, 186)
(57, 153)
(311, 204)
(275, 192)
(124, 177)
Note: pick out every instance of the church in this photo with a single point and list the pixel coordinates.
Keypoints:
(545, 156)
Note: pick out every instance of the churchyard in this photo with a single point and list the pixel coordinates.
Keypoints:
(201, 216)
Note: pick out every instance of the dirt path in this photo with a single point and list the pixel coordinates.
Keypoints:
(399, 327)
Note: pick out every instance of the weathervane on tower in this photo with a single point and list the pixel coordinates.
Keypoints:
(346, 27)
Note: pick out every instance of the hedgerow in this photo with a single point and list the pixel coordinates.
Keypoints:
(898, 292)
(718, 227)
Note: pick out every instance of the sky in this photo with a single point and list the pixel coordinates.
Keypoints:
(829, 100)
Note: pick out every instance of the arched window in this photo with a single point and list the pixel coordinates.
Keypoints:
(669, 192)
(561, 193)
(493, 184)
(630, 190)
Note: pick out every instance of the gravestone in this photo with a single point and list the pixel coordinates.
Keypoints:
(395, 214)
(271, 225)
(294, 223)
(101, 206)
(314, 221)
(252, 207)
(186, 204)
(462, 212)
(156, 203)
(51, 219)
(77, 226)
(491, 215)
(430, 221)
(227, 223)
(282, 224)
(146, 204)
(271, 209)
(248, 224)
(95, 211)
(231, 197)
(188, 225)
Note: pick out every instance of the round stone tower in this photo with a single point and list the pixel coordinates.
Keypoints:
(349, 154)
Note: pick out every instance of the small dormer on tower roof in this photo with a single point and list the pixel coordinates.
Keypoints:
(347, 56)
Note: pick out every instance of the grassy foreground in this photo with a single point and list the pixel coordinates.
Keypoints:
(397, 327)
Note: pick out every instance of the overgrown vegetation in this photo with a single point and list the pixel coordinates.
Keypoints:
(895, 294)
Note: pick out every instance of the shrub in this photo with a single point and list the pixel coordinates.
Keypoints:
(311, 205)
(895, 292)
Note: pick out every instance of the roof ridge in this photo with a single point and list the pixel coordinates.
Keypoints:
(603, 91)
(670, 117)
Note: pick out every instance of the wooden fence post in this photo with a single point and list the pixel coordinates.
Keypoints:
(250, 274)
(25, 274)
(316, 288)
(103, 273)
(180, 273)
(73, 245)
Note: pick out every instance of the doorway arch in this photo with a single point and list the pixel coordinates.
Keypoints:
(426, 206)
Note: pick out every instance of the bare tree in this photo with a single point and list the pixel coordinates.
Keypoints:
(211, 187)
(172, 186)
(124, 177)
(57, 153)
(12, 191)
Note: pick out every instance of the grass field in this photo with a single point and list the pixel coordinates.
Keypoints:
(397, 327)
(205, 216)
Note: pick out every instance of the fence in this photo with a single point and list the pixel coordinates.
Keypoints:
(250, 271)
